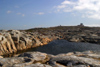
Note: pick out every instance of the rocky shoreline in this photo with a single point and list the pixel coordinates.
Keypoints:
(12, 41)
(38, 59)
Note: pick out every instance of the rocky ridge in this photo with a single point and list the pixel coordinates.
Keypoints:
(72, 33)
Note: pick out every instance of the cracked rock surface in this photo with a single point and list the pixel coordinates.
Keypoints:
(38, 59)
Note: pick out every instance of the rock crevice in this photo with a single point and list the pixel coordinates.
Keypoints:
(14, 40)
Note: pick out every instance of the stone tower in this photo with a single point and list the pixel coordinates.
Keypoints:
(81, 25)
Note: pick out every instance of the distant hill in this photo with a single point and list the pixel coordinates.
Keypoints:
(63, 28)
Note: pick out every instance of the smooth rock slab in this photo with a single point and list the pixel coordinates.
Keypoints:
(37, 56)
(24, 59)
(38, 65)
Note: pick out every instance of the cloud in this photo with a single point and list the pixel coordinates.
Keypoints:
(88, 5)
(8, 11)
(67, 2)
(87, 8)
(61, 6)
(95, 16)
(93, 25)
(23, 15)
(40, 13)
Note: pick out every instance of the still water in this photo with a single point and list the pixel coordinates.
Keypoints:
(62, 46)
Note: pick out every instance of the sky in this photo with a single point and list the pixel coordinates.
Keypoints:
(25, 14)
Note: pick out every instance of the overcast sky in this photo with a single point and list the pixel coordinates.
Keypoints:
(24, 14)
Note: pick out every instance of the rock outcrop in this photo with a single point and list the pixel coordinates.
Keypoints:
(79, 33)
(13, 40)
(38, 59)
(25, 60)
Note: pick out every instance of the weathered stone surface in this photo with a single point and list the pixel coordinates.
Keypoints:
(1, 57)
(25, 59)
(13, 40)
(71, 33)
(4, 62)
(77, 59)
(7, 45)
(37, 56)
(38, 65)
(38, 59)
